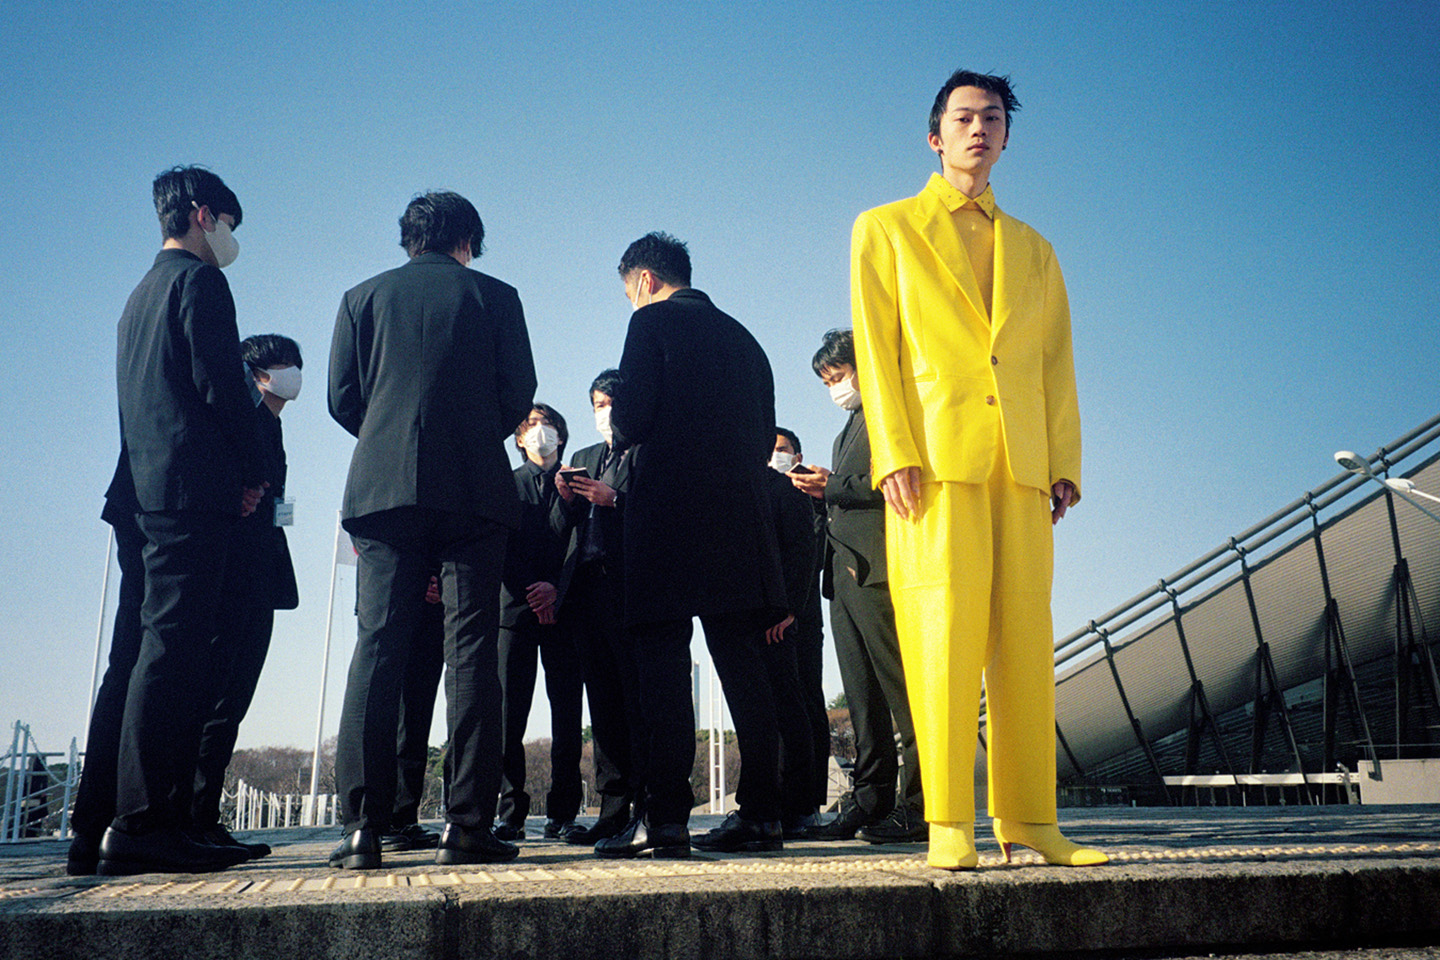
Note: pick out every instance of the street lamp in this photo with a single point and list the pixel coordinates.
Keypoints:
(1359, 466)
(1406, 489)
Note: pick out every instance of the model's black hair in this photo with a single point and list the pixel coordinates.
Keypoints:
(265, 350)
(608, 383)
(440, 221)
(179, 190)
(790, 435)
(837, 347)
(991, 83)
(556, 421)
(667, 259)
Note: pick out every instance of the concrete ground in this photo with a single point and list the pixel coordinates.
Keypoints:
(1304, 882)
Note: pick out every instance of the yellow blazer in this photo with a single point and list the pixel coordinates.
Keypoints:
(936, 373)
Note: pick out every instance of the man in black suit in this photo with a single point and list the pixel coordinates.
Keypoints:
(259, 579)
(532, 592)
(808, 632)
(187, 425)
(430, 368)
(699, 400)
(863, 622)
(594, 611)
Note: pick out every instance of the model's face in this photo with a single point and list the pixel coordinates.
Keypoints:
(783, 444)
(599, 400)
(833, 375)
(972, 131)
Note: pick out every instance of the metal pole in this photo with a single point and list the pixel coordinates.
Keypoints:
(324, 672)
(69, 790)
(99, 633)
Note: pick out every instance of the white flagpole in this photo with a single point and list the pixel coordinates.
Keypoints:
(325, 669)
(99, 631)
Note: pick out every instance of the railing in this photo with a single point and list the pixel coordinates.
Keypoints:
(260, 809)
(37, 796)
(1089, 641)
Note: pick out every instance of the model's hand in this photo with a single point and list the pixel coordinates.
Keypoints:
(1061, 496)
(777, 633)
(250, 498)
(598, 493)
(432, 590)
(541, 597)
(567, 493)
(812, 482)
(902, 492)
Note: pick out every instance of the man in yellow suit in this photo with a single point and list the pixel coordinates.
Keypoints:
(962, 337)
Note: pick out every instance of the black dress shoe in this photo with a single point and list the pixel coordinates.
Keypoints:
(167, 850)
(738, 834)
(459, 844)
(217, 836)
(83, 857)
(904, 825)
(360, 850)
(604, 829)
(794, 827)
(410, 837)
(660, 841)
(561, 829)
(843, 827)
(507, 831)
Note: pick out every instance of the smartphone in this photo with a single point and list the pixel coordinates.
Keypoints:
(801, 468)
(570, 473)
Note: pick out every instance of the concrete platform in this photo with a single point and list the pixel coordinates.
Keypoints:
(1182, 882)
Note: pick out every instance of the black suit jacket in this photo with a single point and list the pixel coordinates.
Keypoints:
(699, 400)
(609, 520)
(856, 532)
(795, 529)
(430, 368)
(536, 551)
(187, 419)
(259, 554)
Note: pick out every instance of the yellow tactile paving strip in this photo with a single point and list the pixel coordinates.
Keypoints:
(342, 882)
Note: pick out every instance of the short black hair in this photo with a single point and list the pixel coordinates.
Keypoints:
(556, 421)
(438, 222)
(837, 347)
(608, 383)
(265, 350)
(179, 190)
(790, 435)
(989, 82)
(667, 259)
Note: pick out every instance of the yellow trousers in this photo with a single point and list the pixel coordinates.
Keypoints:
(970, 580)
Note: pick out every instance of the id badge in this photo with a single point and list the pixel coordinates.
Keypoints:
(284, 513)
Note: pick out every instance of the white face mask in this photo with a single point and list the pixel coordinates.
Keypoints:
(541, 439)
(222, 244)
(602, 423)
(783, 462)
(845, 395)
(284, 382)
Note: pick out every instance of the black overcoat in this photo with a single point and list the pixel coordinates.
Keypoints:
(699, 400)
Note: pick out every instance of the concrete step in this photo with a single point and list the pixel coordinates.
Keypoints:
(1180, 881)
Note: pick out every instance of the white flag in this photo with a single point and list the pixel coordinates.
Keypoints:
(344, 550)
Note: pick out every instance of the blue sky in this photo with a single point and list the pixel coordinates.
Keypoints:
(1243, 198)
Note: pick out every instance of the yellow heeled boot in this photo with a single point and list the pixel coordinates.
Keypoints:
(952, 846)
(1046, 840)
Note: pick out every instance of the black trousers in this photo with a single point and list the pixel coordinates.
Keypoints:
(808, 632)
(520, 648)
(397, 549)
(95, 798)
(594, 609)
(184, 559)
(417, 709)
(757, 677)
(239, 657)
(863, 622)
